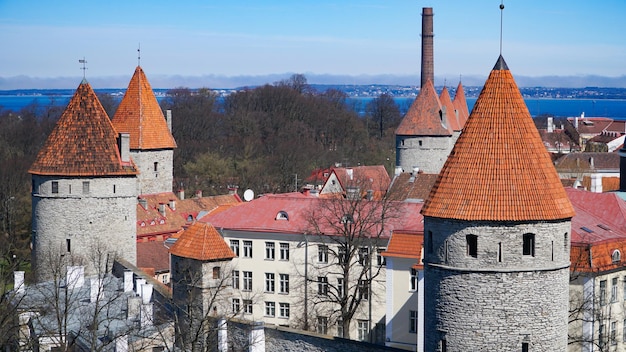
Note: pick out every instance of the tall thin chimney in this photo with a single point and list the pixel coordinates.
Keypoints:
(428, 60)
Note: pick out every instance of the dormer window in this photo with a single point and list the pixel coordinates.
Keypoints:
(347, 219)
(282, 215)
(616, 256)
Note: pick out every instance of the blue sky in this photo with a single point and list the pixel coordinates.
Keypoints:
(45, 39)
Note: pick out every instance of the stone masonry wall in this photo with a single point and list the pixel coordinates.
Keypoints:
(105, 216)
(150, 181)
(500, 298)
(428, 157)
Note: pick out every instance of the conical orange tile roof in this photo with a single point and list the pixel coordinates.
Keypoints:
(201, 241)
(83, 142)
(499, 169)
(140, 115)
(460, 104)
(446, 102)
(424, 117)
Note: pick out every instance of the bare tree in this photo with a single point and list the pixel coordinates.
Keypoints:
(350, 228)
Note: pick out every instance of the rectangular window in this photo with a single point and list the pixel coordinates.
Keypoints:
(363, 255)
(247, 249)
(364, 291)
(247, 280)
(270, 309)
(614, 290)
(414, 278)
(340, 290)
(269, 250)
(322, 253)
(284, 251)
(216, 273)
(85, 187)
(322, 325)
(529, 244)
(284, 310)
(236, 279)
(341, 254)
(284, 283)
(613, 333)
(234, 246)
(413, 321)
(472, 245)
(380, 260)
(236, 305)
(68, 245)
(55, 187)
(247, 306)
(363, 330)
(340, 332)
(322, 285)
(603, 292)
(269, 282)
(524, 346)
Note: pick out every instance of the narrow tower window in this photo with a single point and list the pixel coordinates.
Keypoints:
(499, 252)
(524, 346)
(85, 187)
(429, 241)
(529, 244)
(156, 166)
(565, 241)
(68, 245)
(55, 187)
(472, 245)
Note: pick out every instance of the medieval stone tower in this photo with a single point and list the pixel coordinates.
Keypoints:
(151, 141)
(84, 189)
(432, 125)
(496, 228)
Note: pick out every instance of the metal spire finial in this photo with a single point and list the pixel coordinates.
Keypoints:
(501, 15)
(139, 55)
(84, 68)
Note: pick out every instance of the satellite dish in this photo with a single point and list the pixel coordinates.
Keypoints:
(248, 195)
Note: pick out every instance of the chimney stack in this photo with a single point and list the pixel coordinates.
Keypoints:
(168, 119)
(128, 281)
(428, 59)
(124, 146)
(18, 281)
(75, 277)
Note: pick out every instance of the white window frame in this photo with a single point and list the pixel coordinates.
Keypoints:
(284, 283)
(270, 309)
(270, 283)
(234, 246)
(247, 281)
(247, 249)
(284, 251)
(284, 310)
(322, 253)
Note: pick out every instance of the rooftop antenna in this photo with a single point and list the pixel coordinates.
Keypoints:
(501, 15)
(84, 62)
(139, 55)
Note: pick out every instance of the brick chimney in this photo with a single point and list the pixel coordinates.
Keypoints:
(428, 59)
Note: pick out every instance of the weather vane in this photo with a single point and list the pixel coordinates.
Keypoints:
(84, 68)
(501, 15)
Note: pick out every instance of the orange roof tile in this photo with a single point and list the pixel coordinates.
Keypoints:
(140, 115)
(460, 104)
(424, 116)
(201, 241)
(499, 169)
(405, 245)
(453, 118)
(83, 142)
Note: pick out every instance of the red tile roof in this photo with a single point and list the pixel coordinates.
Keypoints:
(140, 115)
(460, 104)
(405, 245)
(375, 177)
(412, 186)
(201, 241)
(259, 215)
(582, 162)
(499, 169)
(453, 120)
(153, 255)
(83, 142)
(151, 223)
(597, 125)
(424, 117)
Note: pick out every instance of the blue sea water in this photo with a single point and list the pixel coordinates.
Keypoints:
(614, 108)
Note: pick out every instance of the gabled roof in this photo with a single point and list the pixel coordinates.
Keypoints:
(597, 125)
(582, 162)
(260, 215)
(405, 245)
(412, 186)
(375, 177)
(201, 241)
(83, 142)
(453, 120)
(140, 115)
(460, 104)
(424, 117)
(499, 169)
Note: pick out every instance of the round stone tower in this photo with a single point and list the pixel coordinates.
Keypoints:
(496, 228)
(84, 191)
